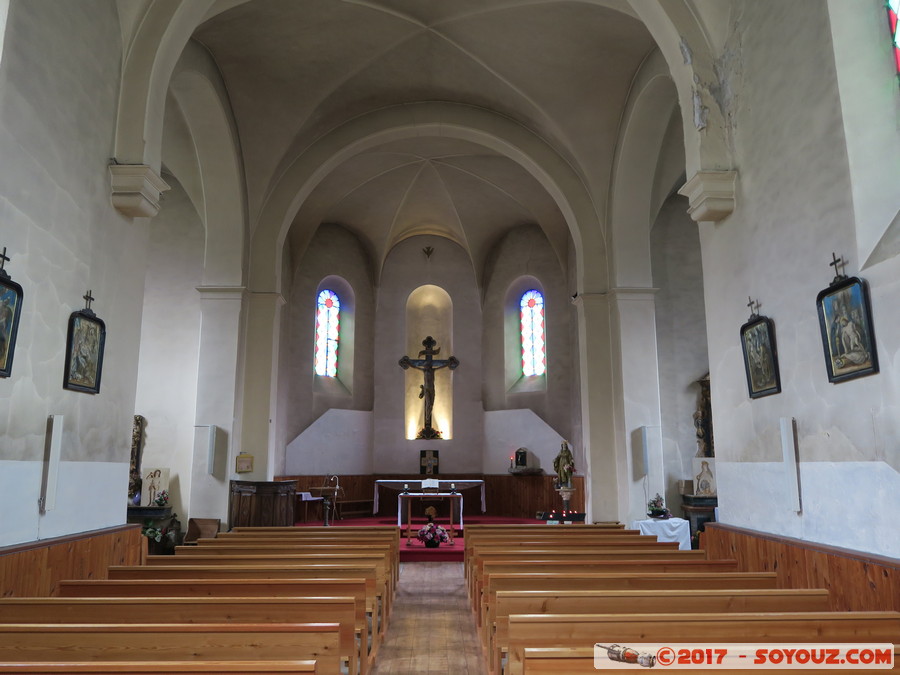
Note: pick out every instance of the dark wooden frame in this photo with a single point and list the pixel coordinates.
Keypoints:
(75, 384)
(830, 306)
(7, 285)
(761, 326)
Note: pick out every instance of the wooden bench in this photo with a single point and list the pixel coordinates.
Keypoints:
(633, 564)
(20, 643)
(168, 667)
(282, 571)
(361, 590)
(580, 661)
(582, 630)
(618, 581)
(339, 610)
(496, 633)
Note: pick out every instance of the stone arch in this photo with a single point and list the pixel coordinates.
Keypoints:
(447, 120)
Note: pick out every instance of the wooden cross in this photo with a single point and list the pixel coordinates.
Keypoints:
(3, 258)
(751, 306)
(88, 299)
(429, 461)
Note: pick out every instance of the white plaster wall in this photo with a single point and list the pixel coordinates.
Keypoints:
(58, 99)
(405, 269)
(170, 335)
(794, 208)
(526, 252)
(680, 337)
(339, 442)
(333, 251)
(505, 431)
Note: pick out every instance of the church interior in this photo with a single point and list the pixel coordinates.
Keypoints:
(341, 241)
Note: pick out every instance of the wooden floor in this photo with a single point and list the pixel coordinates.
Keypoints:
(432, 628)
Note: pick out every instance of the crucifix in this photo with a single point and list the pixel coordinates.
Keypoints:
(753, 305)
(428, 462)
(88, 299)
(3, 260)
(838, 265)
(428, 365)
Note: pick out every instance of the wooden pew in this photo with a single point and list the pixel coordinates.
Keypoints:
(563, 539)
(633, 564)
(282, 571)
(338, 610)
(580, 661)
(581, 630)
(496, 634)
(618, 581)
(167, 667)
(361, 590)
(20, 643)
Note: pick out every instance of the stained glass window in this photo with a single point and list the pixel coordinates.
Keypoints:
(534, 356)
(893, 9)
(328, 316)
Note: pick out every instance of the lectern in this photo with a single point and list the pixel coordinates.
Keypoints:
(261, 503)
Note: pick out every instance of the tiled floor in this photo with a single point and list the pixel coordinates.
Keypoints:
(432, 628)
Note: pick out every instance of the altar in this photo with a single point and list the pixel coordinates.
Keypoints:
(416, 487)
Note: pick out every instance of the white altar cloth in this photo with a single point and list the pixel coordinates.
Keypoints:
(666, 529)
(416, 486)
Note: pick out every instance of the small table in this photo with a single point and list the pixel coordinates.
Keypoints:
(409, 496)
(666, 529)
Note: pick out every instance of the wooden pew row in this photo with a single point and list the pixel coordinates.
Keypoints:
(535, 535)
(580, 630)
(580, 661)
(20, 643)
(361, 590)
(496, 634)
(382, 558)
(336, 550)
(282, 571)
(358, 540)
(618, 581)
(167, 667)
(633, 565)
(342, 611)
(643, 551)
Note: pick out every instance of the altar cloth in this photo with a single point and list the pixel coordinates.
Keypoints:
(416, 486)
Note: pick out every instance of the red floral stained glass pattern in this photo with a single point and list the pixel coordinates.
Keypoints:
(531, 315)
(328, 315)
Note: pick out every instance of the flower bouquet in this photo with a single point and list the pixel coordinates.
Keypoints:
(432, 535)
(656, 508)
(162, 498)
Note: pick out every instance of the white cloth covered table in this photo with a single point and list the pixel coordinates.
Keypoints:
(416, 486)
(666, 529)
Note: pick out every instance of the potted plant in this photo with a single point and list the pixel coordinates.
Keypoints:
(656, 508)
(432, 534)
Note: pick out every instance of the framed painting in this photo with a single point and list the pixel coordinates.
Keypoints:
(243, 463)
(84, 352)
(760, 357)
(848, 338)
(10, 314)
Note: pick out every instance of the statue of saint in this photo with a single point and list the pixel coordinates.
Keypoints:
(428, 365)
(564, 466)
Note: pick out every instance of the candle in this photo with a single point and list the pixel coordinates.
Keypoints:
(452, 486)
(511, 459)
(406, 486)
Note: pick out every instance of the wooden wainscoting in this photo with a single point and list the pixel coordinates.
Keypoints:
(36, 568)
(856, 580)
(506, 495)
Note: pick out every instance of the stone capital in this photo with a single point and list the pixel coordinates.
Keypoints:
(710, 194)
(135, 190)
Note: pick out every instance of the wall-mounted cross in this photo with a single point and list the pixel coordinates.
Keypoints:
(88, 299)
(753, 305)
(3, 259)
(838, 264)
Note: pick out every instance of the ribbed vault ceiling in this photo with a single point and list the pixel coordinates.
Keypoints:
(296, 70)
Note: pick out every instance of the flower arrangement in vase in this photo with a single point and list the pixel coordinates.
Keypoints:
(432, 535)
(162, 498)
(656, 508)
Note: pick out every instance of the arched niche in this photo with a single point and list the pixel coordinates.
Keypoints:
(429, 311)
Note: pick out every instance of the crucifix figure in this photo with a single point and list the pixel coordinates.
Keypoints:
(428, 365)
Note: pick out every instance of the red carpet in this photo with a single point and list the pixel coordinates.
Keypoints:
(416, 551)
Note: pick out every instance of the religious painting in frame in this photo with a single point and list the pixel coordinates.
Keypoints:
(10, 314)
(84, 352)
(429, 462)
(848, 338)
(243, 463)
(760, 356)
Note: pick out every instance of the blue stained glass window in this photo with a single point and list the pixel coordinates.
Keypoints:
(534, 352)
(328, 316)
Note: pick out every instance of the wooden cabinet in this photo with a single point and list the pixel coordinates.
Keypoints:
(261, 503)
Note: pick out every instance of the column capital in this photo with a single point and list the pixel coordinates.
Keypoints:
(710, 194)
(135, 189)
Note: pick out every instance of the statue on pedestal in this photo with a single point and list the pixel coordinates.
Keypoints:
(564, 466)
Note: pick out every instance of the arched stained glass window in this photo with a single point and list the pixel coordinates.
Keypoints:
(534, 353)
(328, 316)
(893, 9)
